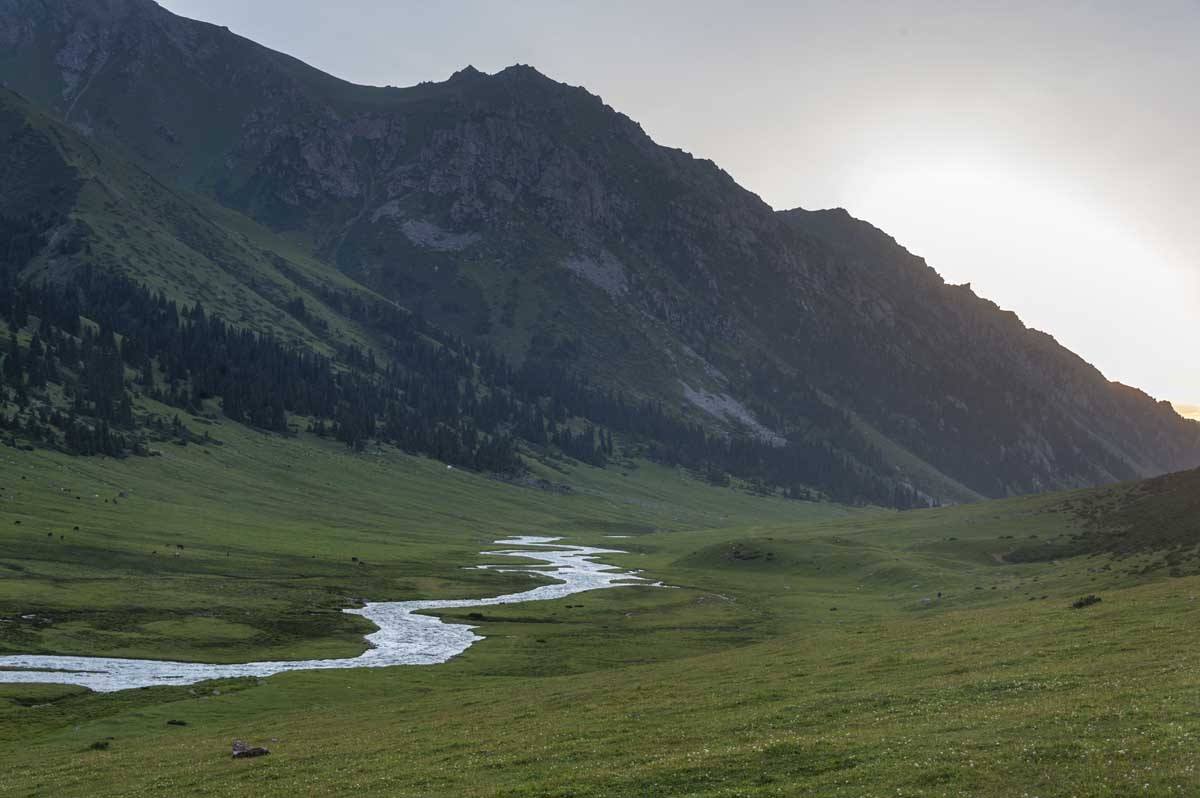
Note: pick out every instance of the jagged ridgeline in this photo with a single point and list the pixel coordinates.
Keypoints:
(590, 291)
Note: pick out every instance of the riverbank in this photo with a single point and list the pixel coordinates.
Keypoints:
(404, 634)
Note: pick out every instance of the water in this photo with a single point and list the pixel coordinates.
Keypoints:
(404, 636)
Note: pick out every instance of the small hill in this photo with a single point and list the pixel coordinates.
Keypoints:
(1158, 516)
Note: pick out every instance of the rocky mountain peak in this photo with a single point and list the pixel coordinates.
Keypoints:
(527, 214)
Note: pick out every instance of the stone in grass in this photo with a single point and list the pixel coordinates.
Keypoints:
(243, 751)
(177, 723)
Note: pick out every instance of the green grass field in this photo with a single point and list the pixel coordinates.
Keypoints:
(805, 649)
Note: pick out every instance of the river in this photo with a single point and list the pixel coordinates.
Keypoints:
(404, 635)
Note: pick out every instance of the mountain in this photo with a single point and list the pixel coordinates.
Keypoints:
(105, 276)
(528, 219)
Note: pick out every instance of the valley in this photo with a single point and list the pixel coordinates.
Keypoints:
(804, 646)
(333, 416)
(404, 635)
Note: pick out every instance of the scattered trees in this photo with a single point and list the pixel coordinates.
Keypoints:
(99, 340)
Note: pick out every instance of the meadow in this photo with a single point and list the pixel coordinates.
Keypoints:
(803, 649)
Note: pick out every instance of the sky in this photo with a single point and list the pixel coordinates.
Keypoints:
(1046, 153)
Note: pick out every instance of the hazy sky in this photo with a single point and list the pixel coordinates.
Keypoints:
(1047, 153)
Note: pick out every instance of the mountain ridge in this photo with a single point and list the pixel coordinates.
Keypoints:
(528, 215)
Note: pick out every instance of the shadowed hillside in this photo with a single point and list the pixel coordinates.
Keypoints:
(1159, 518)
(526, 216)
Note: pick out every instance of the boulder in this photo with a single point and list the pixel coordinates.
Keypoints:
(243, 751)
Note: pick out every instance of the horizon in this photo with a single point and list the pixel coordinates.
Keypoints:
(1188, 411)
(1068, 189)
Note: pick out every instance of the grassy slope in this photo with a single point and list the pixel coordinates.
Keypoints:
(183, 245)
(797, 654)
(1157, 517)
(268, 528)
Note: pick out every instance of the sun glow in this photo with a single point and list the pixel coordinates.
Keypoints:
(1045, 250)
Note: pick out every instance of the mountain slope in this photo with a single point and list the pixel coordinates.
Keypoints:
(528, 216)
(1155, 518)
(105, 274)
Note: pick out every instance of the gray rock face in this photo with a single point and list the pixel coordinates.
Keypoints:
(724, 406)
(602, 270)
(429, 235)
